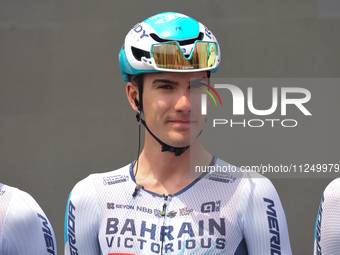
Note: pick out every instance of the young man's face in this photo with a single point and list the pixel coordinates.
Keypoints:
(172, 108)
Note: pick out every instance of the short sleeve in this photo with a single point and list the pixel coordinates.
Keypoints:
(26, 229)
(262, 219)
(82, 220)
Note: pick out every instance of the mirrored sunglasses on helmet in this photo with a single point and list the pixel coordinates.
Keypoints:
(168, 55)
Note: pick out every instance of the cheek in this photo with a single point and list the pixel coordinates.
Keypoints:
(197, 101)
(155, 107)
(161, 104)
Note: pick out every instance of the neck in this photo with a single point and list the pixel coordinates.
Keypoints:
(163, 172)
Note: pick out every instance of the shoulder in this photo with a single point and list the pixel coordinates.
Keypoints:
(248, 185)
(250, 181)
(260, 184)
(333, 188)
(91, 181)
(89, 191)
(331, 194)
(85, 205)
(17, 198)
(24, 215)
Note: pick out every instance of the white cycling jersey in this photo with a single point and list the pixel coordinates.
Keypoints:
(217, 214)
(327, 227)
(24, 227)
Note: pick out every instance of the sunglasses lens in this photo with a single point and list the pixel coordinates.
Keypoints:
(169, 56)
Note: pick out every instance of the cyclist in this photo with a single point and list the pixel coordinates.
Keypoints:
(154, 205)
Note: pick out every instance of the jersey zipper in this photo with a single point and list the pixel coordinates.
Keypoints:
(164, 205)
(163, 214)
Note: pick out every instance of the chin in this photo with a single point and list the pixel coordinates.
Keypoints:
(179, 140)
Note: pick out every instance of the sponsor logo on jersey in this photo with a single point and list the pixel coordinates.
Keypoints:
(110, 180)
(225, 177)
(47, 235)
(275, 248)
(158, 214)
(210, 207)
(172, 214)
(144, 209)
(207, 234)
(71, 225)
(185, 211)
(318, 228)
(119, 206)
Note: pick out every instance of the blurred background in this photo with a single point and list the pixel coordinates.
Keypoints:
(63, 108)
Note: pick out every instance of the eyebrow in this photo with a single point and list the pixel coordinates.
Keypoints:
(164, 81)
(175, 82)
(199, 79)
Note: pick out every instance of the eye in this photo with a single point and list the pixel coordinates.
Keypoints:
(166, 86)
(199, 85)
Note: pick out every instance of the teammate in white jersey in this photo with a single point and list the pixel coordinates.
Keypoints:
(327, 227)
(154, 205)
(24, 227)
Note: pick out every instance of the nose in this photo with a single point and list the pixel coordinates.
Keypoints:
(183, 103)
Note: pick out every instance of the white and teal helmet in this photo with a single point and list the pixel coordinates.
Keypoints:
(170, 42)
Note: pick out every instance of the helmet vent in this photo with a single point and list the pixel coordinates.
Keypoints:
(138, 53)
(181, 42)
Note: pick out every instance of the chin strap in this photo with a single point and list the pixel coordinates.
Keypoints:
(165, 147)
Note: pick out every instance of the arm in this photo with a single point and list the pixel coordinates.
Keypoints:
(26, 229)
(327, 227)
(262, 219)
(82, 220)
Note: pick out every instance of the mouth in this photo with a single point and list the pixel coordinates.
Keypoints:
(186, 124)
(183, 122)
(180, 124)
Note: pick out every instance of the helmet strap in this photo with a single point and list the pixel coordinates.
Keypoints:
(165, 147)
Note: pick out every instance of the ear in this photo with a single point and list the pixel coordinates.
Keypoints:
(132, 94)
